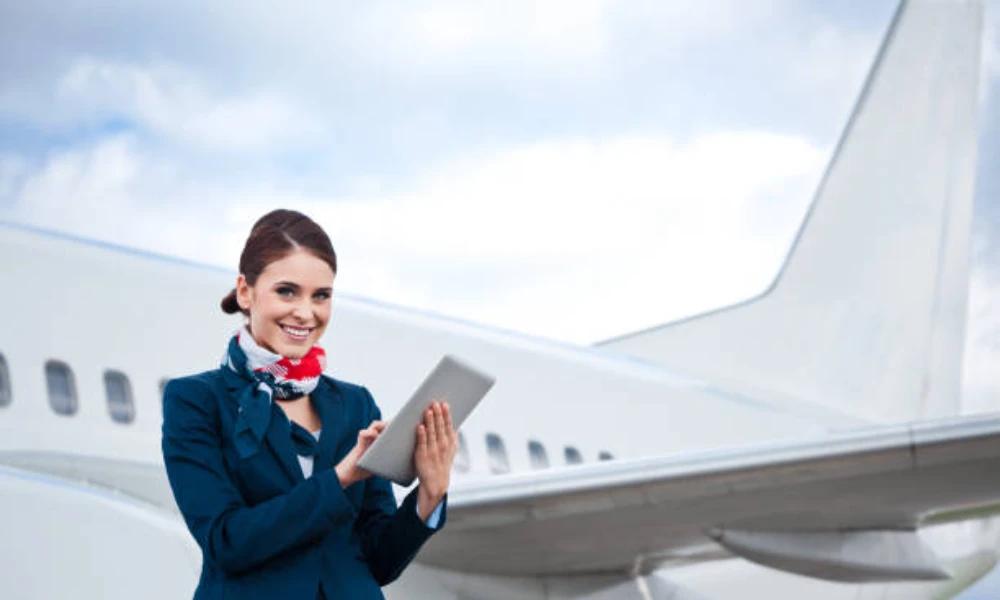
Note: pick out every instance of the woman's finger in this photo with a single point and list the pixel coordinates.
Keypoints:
(421, 438)
(439, 425)
(447, 417)
(430, 423)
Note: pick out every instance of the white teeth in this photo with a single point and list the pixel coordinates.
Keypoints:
(296, 332)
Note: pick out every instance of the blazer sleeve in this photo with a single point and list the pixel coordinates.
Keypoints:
(391, 537)
(232, 535)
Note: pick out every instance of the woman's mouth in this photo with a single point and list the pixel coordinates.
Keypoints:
(299, 334)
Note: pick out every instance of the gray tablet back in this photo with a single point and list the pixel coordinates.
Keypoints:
(451, 381)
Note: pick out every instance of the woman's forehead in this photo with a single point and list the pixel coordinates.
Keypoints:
(301, 267)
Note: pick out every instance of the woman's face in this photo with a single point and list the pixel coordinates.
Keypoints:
(290, 303)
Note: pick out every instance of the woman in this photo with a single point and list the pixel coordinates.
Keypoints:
(262, 452)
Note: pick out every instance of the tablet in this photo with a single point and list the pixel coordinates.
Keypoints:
(451, 381)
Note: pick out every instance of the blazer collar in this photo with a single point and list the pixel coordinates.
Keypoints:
(327, 400)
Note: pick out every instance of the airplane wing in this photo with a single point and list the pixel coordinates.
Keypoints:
(844, 507)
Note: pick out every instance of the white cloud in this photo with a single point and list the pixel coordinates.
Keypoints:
(167, 102)
(563, 32)
(989, 75)
(12, 169)
(246, 75)
(834, 61)
(114, 191)
(580, 236)
(527, 36)
(625, 231)
(982, 386)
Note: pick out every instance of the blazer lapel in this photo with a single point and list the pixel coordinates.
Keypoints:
(280, 439)
(277, 437)
(329, 405)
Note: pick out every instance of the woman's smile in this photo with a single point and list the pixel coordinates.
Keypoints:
(299, 334)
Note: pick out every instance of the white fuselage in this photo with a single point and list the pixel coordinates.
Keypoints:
(96, 309)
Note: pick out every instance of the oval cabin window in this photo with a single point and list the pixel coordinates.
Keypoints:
(61, 387)
(539, 457)
(497, 453)
(462, 462)
(121, 405)
(5, 394)
(573, 456)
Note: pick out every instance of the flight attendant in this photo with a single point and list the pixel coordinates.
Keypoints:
(262, 452)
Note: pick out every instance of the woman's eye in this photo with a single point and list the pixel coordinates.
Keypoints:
(286, 292)
(322, 295)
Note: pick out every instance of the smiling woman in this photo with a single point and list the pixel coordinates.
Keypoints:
(286, 273)
(262, 453)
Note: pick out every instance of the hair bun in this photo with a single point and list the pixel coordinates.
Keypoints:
(229, 304)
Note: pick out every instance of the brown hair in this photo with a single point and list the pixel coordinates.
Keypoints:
(273, 237)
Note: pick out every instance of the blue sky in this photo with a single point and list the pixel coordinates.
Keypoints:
(620, 164)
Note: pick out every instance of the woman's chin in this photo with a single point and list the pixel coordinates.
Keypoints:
(295, 349)
(292, 352)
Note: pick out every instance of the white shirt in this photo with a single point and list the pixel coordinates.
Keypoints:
(306, 462)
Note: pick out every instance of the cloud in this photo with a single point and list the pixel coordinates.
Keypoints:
(527, 237)
(607, 161)
(982, 386)
(989, 66)
(112, 190)
(12, 168)
(399, 81)
(166, 102)
(544, 237)
(562, 33)
(835, 61)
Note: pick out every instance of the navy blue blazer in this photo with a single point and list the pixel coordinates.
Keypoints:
(264, 529)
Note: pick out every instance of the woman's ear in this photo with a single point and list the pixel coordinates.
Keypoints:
(243, 293)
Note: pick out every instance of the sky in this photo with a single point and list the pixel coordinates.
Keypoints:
(574, 169)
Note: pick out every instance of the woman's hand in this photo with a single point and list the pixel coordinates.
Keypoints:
(348, 471)
(437, 444)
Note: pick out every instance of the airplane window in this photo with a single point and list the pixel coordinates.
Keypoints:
(61, 386)
(539, 458)
(572, 455)
(462, 462)
(605, 455)
(498, 454)
(121, 405)
(5, 395)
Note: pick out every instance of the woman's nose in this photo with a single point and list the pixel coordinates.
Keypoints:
(302, 311)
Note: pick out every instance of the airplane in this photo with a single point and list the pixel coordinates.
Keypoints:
(806, 443)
